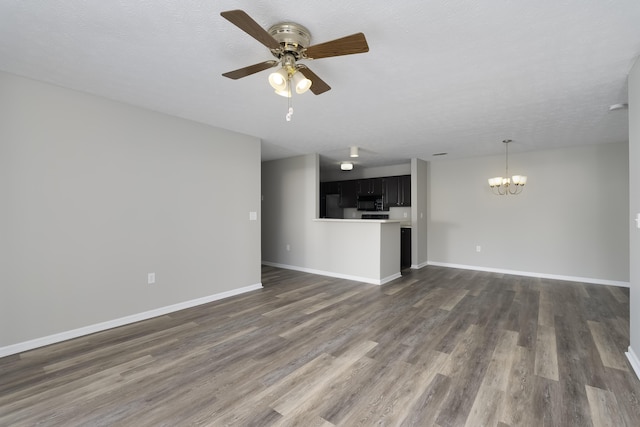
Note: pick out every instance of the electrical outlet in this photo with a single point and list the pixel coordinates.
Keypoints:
(478, 248)
(151, 278)
(405, 214)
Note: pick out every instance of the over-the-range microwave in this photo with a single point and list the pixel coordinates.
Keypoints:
(370, 202)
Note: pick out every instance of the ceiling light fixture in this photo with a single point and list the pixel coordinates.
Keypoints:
(502, 186)
(287, 78)
(346, 166)
(353, 152)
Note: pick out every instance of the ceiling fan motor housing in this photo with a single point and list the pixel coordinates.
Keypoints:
(293, 37)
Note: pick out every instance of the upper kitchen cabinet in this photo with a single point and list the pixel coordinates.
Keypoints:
(397, 191)
(390, 196)
(349, 193)
(405, 191)
(371, 186)
(332, 187)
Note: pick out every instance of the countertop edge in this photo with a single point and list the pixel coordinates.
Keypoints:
(403, 224)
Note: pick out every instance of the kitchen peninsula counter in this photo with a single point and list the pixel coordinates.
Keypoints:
(366, 250)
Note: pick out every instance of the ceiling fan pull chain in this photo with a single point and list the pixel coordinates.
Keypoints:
(289, 102)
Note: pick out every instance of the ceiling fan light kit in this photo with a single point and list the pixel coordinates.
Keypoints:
(501, 186)
(285, 92)
(290, 42)
(301, 83)
(278, 79)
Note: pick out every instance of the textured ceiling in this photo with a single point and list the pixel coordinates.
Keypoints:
(440, 76)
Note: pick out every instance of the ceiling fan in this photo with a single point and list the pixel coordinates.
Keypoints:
(289, 43)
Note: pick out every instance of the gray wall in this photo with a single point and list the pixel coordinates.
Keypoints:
(334, 173)
(290, 190)
(571, 219)
(634, 179)
(419, 212)
(97, 194)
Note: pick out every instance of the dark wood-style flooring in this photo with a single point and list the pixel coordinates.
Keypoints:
(438, 347)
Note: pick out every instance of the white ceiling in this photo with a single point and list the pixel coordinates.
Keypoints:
(440, 76)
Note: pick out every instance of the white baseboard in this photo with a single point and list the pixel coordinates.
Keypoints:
(419, 266)
(529, 274)
(390, 278)
(98, 327)
(333, 274)
(635, 362)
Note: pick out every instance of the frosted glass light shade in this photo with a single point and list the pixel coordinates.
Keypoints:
(284, 92)
(300, 82)
(519, 179)
(346, 166)
(278, 79)
(496, 181)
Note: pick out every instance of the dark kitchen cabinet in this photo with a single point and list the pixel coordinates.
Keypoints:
(332, 187)
(371, 186)
(405, 248)
(405, 191)
(349, 193)
(397, 191)
(390, 196)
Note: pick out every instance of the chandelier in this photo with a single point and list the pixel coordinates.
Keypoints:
(503, 186)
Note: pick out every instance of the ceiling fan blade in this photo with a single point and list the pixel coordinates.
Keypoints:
(243, 21)
(355, 43)
(318, 85)
(251, 69)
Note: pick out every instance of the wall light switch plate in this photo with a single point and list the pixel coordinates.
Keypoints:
(151, 278)
(638, 220)
(253, 216)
